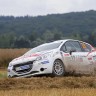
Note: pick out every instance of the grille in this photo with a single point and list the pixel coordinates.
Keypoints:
(23, 68)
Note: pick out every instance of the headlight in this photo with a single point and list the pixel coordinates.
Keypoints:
(43, 57)
(38, 58)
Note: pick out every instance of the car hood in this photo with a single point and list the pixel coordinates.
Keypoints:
(31, 57)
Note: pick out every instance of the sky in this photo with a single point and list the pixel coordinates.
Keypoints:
(44, 7)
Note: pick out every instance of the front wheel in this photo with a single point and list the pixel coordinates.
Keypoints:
(58, 68)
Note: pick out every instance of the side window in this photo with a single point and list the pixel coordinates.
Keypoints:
(72, 45)
(85, 47)
(76, 46)
(69, 47)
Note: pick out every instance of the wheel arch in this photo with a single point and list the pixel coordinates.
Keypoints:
(61, 61)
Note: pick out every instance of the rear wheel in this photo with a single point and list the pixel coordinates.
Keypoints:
(58, 68)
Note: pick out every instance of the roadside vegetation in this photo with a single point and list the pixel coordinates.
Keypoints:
(3, 73)
(6, 55)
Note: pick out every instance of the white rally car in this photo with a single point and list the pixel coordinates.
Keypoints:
(56, 58)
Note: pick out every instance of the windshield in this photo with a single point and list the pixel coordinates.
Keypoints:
(43, 47)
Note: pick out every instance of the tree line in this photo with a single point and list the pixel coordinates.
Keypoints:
(28, 32)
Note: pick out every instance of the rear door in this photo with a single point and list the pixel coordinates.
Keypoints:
(87, 66)
(82, 59)
(78, 60)
(72, 59)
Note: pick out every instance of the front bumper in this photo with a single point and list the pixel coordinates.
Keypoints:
(38, 68)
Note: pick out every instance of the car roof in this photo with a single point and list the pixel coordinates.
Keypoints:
(70, 40)
(62, 41)
(57, 41)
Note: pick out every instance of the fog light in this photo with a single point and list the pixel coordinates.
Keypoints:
(42, 69)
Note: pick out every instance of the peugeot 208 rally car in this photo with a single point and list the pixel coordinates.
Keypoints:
(56, 58)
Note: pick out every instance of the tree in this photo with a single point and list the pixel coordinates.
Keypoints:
(48, 36)
(21, 42)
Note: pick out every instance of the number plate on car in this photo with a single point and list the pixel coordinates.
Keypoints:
(22, 67)
(25, 67)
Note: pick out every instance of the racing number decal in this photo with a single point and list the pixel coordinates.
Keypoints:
(73, 58)
(77, 58)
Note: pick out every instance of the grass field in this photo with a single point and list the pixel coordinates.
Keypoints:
(42, 86)
(50, 92)
(3, 73)
(47, 86)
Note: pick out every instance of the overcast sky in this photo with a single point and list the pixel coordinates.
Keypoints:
(43, 7)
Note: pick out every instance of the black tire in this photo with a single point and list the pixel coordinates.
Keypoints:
(58, 69)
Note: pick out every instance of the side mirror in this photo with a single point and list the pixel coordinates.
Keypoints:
(71, 51)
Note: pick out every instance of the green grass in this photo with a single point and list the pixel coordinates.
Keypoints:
(3, 73)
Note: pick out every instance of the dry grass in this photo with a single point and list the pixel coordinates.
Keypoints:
(6, 55)
(47, 83)
(50, 92)
(47, 86)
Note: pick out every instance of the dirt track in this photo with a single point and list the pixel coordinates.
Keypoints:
(48, 83)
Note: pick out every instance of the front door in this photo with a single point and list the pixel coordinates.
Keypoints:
(71, 58)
